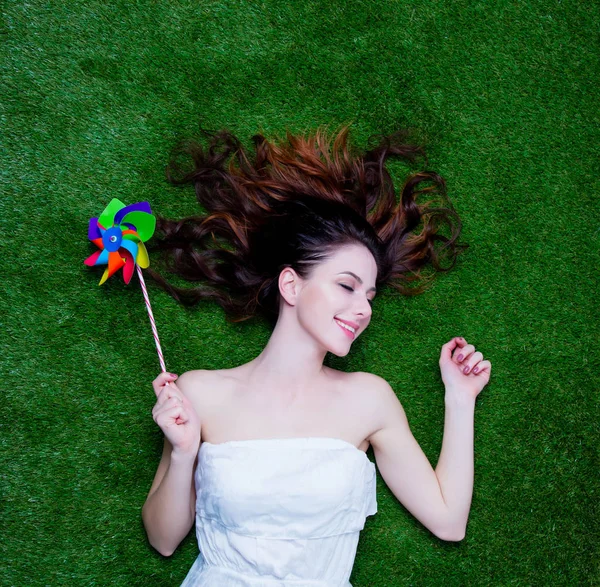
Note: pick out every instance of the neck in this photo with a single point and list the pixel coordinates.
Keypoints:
(292, 361)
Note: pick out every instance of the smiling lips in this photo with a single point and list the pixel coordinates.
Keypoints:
(348, 328)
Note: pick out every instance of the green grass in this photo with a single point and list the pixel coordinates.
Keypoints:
(93, 96)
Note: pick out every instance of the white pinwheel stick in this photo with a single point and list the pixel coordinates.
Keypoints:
(152, 323)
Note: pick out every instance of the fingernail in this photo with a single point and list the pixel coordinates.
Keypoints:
(466, 370)
(476, 369)
(460, 358)
(172, 375)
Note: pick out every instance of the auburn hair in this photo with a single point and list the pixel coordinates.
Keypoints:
(290, 203)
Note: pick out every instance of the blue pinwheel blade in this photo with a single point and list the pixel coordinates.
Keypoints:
(102, 258)
(131, 247)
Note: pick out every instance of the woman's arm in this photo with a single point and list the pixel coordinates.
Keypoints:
(440, 499)
(168, 513)
(454, 469)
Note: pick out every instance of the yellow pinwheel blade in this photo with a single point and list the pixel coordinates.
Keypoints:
(142, 257)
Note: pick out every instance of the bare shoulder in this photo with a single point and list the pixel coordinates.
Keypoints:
(384, 406)
(192, 382)
(373, 401)
(203, 387)
(369, 383)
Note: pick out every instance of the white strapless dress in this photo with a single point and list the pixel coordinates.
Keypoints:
(283, 512)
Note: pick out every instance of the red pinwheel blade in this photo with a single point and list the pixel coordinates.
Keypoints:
(91, 260)
(129, 265)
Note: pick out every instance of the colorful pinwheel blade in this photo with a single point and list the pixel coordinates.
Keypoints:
(103, 258)
(104, 277)
(93, 259)
(129, 266)
(115, 262)
(130, 246)
(144, 223)
(93, 230)
(137, 207)
(98, 258)
(142, 257)
(107, 218)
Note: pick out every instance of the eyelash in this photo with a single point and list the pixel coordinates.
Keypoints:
(351, 289)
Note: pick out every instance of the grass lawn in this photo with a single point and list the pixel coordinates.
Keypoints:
(93, 95)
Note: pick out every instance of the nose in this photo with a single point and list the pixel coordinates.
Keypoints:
(364, 308)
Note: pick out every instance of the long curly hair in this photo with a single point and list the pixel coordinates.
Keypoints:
(291, 203)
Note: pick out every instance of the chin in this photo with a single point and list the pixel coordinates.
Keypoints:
(340, 352)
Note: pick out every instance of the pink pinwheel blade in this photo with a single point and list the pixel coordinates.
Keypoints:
(91, 261)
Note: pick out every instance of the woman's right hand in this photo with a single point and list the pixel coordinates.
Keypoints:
(175, 415)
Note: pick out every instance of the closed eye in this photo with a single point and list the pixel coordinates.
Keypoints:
(351, 289)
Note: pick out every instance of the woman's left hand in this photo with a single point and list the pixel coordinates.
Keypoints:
(463, 369)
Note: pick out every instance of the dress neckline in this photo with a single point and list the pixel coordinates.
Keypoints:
(308, 440)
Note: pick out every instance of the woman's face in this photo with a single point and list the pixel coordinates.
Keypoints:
(334, 303)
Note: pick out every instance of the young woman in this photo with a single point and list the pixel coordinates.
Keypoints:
(268, 458)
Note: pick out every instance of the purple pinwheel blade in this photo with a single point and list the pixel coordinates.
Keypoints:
(93, 230)
(137, 207)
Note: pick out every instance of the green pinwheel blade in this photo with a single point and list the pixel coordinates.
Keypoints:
(107, 218)
(144, 223)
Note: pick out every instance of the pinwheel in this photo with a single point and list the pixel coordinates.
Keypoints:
(120, 233)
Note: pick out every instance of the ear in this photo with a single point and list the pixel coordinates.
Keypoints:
(289, 285)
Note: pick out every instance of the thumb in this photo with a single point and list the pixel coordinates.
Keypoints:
(161, 381)
(446, 353)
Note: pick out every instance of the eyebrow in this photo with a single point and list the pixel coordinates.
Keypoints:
(357, 278)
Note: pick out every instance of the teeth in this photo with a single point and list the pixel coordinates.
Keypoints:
(352, 330)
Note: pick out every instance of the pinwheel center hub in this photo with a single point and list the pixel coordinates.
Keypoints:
(112, 239)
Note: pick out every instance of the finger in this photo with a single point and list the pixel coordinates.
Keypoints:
(168, 391)
(162, 378)
(461, 354)
(471, 362)
(167, 404)
(158, 387)
(176, 415)
(172, 401)
(157, 409)
(483, 366)
(161, 381)
(168, 409)
(447, 348)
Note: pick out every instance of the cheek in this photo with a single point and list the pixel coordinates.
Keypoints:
(319, 304)
(317, 298)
